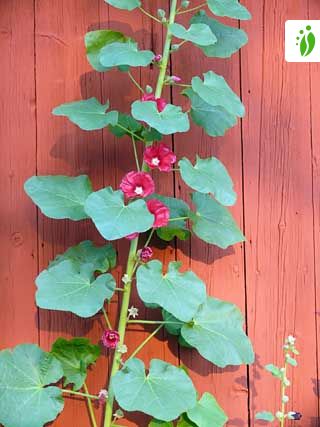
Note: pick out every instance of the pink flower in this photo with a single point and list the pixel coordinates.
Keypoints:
(145, 254)
(159, 156)
(137, 184)
(157, 58)
(132, 236)
(103, 395)
(161, 103)
(175, 79)
(110, 338)
(160, 211)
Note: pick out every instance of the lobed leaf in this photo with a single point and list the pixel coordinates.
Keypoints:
(200, 34)
(171, 120)
(164, 393)
(207, 412)
(124, 4)
(25, 399)
(88, 114)
(215, 91)
(213, 223)
(59, 196)
(209, 176)
(124, 54)
(75, 356)
(66, 287)
(229, 39)
(113, 218)
(229, 8)
(180, 294)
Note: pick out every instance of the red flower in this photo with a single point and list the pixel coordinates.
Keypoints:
(160, 211)
(161, 103)
(145, 254)
(110, 338)
(137, 184)
(159, 156)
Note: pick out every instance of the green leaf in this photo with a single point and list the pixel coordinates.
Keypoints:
(274, 370)
(291, 361)
(102, 258)
(119, 54)
(113, 218)
(88, 114)
(217, 333)
(215, 91)
(174, 325)
(207, 412)
(164, 393)
(75, 356)
(209, 176)
(25, 399)
(128, 122)
(158, 423)
(124, 4)
(213, 223)
(265, 416)
(170, 120)
(59, 196)
(229, 8)
(197, 33)
(178, 208)
(178, 293)
(65, 287)
(214, 120)
(229, 39)
(184, 421)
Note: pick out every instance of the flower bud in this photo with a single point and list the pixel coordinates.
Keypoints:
(175, 47)
(149, 89)
(161, 13)
(185, 4)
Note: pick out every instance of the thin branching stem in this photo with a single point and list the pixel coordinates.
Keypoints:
(150, 15)
(134, 81)
(90, 407)
(106, 318)
(149, 338)
(192, 9)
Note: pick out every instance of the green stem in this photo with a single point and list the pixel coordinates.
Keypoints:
(181, 84)
(130, 133)
(121, 328)
(283, 393)
(192, 9)
(149, 15)
(135, 153)
(78, 393)
(152, 322)
(140, 347)
(106, 318)
(134, 81)
(90, 407)
(179, 218)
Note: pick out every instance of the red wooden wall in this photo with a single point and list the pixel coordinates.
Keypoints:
(273, 156)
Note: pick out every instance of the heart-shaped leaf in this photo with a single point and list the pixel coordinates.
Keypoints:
(209, 176)
(230, 8)
(25, 399)
(124, 4)
(125, 54)
(96, 40)
(102, 258)
(113, 218)
(177, 228)
(88, 114)
(197, 33)
(164, 393)
(207, 412)
(75, 356)
(229, 39)
(170, 120)
(215, 120)
(59, 196)
(217, 333)
(179, 293)
(215, 91)
(65, 287)
(213, 223)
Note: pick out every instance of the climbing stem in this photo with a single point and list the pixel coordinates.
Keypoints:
(90, 407)
(121, 328)
(283, 393)
(149, 338)
(78, 393)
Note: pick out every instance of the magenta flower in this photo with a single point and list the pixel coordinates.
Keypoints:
(159, 156)
(132, 236)
(145, 254)
(110, 338)
(160, 211)
(103, 395)
(157, 58)
(175, 79)
(137, 184)
(161, 103)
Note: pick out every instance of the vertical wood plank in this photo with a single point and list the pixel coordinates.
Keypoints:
(278, 208)
(18, 222)
(222, 271)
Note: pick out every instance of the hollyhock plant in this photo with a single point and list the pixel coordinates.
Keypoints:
(83, 280)
(159, 156)
(137, 184)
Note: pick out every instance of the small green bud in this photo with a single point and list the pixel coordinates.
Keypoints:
(175, 47)
(285, 399)
(286, 382)
(185, 4)
(149, 89)
(280, 415)
(161, 13)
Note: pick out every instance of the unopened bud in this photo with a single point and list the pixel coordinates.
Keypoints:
(185, 4)
(149, 89)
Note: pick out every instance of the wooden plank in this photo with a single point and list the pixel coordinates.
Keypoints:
(63, 75)
(222, 271)
(278, 208)
(18, 222)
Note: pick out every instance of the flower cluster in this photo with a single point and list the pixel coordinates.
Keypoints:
(161, 102)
